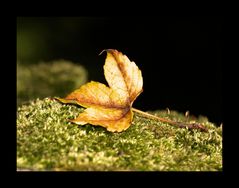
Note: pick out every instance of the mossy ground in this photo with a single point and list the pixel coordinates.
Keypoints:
(48, 79)
(47, 141)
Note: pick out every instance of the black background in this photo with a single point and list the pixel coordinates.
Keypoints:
(180, 57)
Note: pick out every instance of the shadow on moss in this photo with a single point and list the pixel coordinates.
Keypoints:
(47, 141)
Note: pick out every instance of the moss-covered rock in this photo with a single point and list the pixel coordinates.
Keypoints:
(47, 141)
(45, 79)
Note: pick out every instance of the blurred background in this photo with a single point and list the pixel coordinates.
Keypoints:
(180, 58)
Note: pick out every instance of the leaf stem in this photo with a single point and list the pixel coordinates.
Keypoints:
(174, 123)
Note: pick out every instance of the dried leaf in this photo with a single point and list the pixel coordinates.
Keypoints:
(109, 107)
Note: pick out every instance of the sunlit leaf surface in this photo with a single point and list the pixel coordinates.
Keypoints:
(109, 107)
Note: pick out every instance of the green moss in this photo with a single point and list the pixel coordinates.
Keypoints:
(47, 141)
(45, 79)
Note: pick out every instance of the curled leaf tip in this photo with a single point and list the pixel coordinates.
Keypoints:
(102, 52)
(106, 50)
(109, 50)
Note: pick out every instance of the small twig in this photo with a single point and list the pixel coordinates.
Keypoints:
(174, 123)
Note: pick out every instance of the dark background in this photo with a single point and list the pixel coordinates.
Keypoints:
(180, 57)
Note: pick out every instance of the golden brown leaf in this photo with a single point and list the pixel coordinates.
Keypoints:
(123, 75)
(109, 107)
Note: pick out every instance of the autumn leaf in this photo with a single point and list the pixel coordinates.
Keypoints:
(109, 107)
